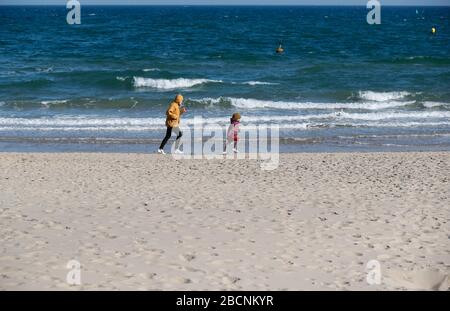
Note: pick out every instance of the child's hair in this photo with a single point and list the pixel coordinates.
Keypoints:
(235, 117)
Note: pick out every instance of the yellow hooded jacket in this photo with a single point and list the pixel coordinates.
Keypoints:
(174, 113)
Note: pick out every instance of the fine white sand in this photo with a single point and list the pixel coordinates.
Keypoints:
(149, 222)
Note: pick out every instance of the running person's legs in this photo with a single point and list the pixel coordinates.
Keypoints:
(235, 143)
(166, 138)
(227, 142)
(169, 131)
(179, 133)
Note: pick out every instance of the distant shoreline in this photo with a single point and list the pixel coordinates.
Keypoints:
(228, 5)
(150, 146)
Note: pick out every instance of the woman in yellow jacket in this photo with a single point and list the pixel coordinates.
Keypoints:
(173, 115)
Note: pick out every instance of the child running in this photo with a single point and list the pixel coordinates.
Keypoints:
(233, 132)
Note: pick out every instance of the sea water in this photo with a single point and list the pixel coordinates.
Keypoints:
(340, 85)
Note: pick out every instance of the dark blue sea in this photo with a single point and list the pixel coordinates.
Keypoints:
(340, 85)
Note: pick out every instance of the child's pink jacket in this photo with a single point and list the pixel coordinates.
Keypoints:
(233, 130)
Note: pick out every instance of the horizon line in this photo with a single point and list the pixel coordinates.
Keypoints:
(239, 5)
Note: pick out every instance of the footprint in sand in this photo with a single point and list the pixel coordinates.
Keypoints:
(187, 257)
(418, 280)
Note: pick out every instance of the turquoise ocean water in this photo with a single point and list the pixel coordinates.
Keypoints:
(341, 85)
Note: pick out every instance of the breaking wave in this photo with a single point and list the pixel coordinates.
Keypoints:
(170, 84)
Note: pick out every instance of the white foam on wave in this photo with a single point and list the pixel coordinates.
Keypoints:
(286, 126)
(47, 70)
(253, 83)
(150, 69)
(166, 84)
(398, 124)
(79, 121)
(441, 117)
(54, 102)
(259, 83)
(311, 125)
(87, 128)
(93, 123)
(429, 104)
(256, 104)
(422, 115)
(382, 96)
(121, 78)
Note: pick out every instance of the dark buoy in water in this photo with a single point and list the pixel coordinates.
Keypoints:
(279, 49)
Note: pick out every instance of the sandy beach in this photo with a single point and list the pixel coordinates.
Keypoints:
(149, 222)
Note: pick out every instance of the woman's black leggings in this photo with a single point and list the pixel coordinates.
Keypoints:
(168, 134)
